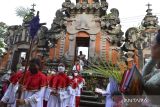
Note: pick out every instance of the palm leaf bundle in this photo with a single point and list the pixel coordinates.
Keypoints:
(107, 69)
(22, 12)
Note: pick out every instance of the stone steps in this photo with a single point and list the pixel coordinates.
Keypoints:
(91, 104)
(90, 99)
(91, 93)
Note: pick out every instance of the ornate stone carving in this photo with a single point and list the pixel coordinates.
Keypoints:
(104, 7)
(111, 24)
(42, 39)
(58, 24)
(98, 8)
(132, 35)
(83, 22)
(149, 27)
(150, 21)
(92, 46)
(72, 37)
(71, 51)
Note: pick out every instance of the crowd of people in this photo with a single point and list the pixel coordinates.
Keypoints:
(35, 89)
(32, 88)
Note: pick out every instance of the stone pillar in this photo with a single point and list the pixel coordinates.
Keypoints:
(72, 43)
(23, 35)
(92, 46)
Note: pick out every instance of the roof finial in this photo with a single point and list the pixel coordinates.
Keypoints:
(33, 5)
(148, 5)
(149, 10)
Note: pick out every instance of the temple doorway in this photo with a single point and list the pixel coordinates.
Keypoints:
(82, 45)
(18, 57)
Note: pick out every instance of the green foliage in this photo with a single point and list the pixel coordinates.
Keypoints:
(106, 69)
(1, 44)
(25, 13)
(22, 12)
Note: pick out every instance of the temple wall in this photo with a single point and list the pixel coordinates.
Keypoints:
(66, 43)
(99, 46)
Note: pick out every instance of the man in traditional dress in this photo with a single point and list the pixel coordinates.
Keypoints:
(82, 58)
(57, 93)
(112, 94)
(151, 74)
(33, 87)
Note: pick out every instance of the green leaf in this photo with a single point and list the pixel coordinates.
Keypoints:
(106, 69)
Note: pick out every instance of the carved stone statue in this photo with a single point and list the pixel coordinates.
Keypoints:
(58, 22)
(42, 36)
(112, 26)
(131, 38)
(150, 21)
(104, 7)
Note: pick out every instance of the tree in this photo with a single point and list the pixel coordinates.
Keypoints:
(22, 12)
(3, 29)
(25, 13)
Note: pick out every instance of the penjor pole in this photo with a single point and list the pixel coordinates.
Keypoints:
(34, 26)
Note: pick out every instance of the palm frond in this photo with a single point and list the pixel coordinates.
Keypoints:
(107, 69)
(22, 12)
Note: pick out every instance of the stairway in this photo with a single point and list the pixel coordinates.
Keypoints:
(90, 99)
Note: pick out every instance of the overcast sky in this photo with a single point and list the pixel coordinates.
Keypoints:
(131, 11)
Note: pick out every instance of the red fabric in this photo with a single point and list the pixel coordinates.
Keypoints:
(60, 80)
(80, 79)
(15, 77)
(49, 77)
(78, 67)
(34, 81)
(77, 101)
(74, 83)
